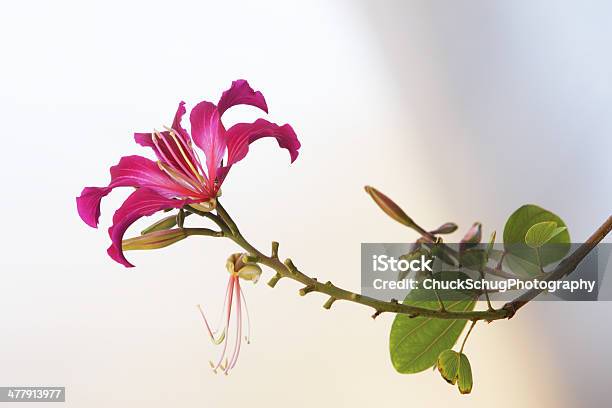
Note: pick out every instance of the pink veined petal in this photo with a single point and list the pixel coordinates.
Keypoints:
(175, 152)
(241, 93)
(208, 134)
(142, 202)
(176, 123)
(88, 204)
(241, 135)
(131, 171)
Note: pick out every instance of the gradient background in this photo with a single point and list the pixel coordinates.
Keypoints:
(460, 110)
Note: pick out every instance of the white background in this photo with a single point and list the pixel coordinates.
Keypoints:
(461, 111)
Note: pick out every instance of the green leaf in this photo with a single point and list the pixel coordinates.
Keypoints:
(515, 232)
(542, 232)
(448, 365)
(416, 343)
(464, 380)
(521, 266)
(455, 368)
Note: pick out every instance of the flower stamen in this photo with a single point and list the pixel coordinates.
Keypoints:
(179, 145)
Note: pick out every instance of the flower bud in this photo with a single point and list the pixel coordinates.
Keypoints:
(474, 234)
(389, 207)
(163, 224)
(447, 228)
(248, 271)
(154, 240)
(472, 237)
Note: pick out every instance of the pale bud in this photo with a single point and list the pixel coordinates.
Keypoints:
(248, 271)
(154, 240)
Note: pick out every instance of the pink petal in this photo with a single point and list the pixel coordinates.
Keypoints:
(209, 135)
(241, 135)
(240, 93)
(142, 202)
(88, 204)
(176, 123)
(175, 152)
(131, 171)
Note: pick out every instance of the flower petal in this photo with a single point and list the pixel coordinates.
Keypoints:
(176, 123)
(142, 202)
(241, 135)
(174, 148)
(208, 134)
(131, 171)
(241, 93)
(88, 204)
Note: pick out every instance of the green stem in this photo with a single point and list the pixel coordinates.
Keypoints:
(289, 270)
(440, 303)
(486, 292)
(467, 335)
(203, 231)
(537, 250)
(214, 218)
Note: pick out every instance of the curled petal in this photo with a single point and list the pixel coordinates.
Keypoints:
(88, 204)
(176, 123)
(241, 135)
(131, 171)
(241, 93)
(209, 135)
(142, 202)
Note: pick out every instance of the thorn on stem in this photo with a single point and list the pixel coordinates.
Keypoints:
(274, 250)
(376, 314)
(274, 280)
(413, 315)
(329, 303)
(290, 266)
(306, 290)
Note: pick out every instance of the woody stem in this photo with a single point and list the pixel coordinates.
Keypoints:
(289, 270)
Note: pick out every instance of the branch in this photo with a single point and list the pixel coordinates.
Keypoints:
(567, 266)
(289, 270)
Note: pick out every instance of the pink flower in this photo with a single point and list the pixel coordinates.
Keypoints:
(234, 304)
(178, 177)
